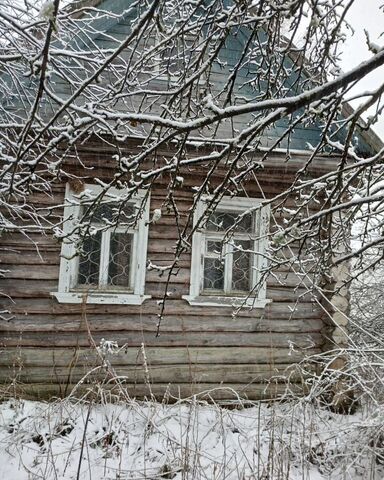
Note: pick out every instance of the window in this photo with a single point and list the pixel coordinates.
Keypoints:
(103, 259)
(227, 265)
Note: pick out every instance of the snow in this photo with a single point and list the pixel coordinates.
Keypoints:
(156, 215)
(187, 440)
(47, 10)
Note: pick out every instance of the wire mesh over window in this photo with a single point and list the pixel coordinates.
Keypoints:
(89, 262)
(213, 266)
(213, 274)
(228, 260)
(120, 257)
(106, 256)
(241, 266)
(222, 221)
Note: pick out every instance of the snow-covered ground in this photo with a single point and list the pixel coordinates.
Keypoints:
(188, 440)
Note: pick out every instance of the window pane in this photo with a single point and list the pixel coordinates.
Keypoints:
(221, 221)
(89, 262)
(214, 246)
(120, 259)
(213, 274)
(241, 267)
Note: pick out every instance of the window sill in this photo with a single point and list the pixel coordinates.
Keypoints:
(217, 301)
(100, 298)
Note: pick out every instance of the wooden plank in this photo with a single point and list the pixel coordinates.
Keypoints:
(277, 289)
(196, 373)
(162, 392)
(48, 356)
(30, 258)
(18, 241)
(148, 323)
(49, 272)
(181, 274)
(43, 288)
(209, 339)
(275, 310)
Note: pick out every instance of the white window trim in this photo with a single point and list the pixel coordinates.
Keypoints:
(69, 260)
(228, 204)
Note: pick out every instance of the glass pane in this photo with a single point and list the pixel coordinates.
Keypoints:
(214, 246)
(221, 221)
(213, 274)
(120, 259)
(89, 262)
(241, 267)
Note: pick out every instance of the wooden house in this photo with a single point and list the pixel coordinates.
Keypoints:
(66, 309)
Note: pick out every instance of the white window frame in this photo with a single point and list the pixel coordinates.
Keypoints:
(68, 291)
(229, 204)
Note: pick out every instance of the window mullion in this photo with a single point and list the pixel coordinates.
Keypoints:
(254, 264)
(104, 257)
(228, 250)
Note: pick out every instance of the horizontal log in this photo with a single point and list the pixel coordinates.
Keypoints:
(166, 339)
(176, 290)
(137, 323)
(275, 310)
(61, 357)
(273, 178)
(95, 146)
(42, 289)
(179, 276)
(46, 272)
(162, 392)
(174, 374)
(33, 240)
(31, 257)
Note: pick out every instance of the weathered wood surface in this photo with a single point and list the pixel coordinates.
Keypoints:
(63, 357)
(173, 324)
(245, 370)
(167, 392)
(47, 343)
(193, 373)
(180, 276)
(274, 310)
(43, 289)
(177, 339)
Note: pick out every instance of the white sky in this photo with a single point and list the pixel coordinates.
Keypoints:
(365, 15)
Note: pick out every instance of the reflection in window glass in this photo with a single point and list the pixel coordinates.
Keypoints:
(120, 259)
(213, 274)
(89, 262)
(222, 221)
(241, 266)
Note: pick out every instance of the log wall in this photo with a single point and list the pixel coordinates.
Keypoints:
(47, 347)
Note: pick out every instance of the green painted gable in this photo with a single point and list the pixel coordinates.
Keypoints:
(109, 30)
